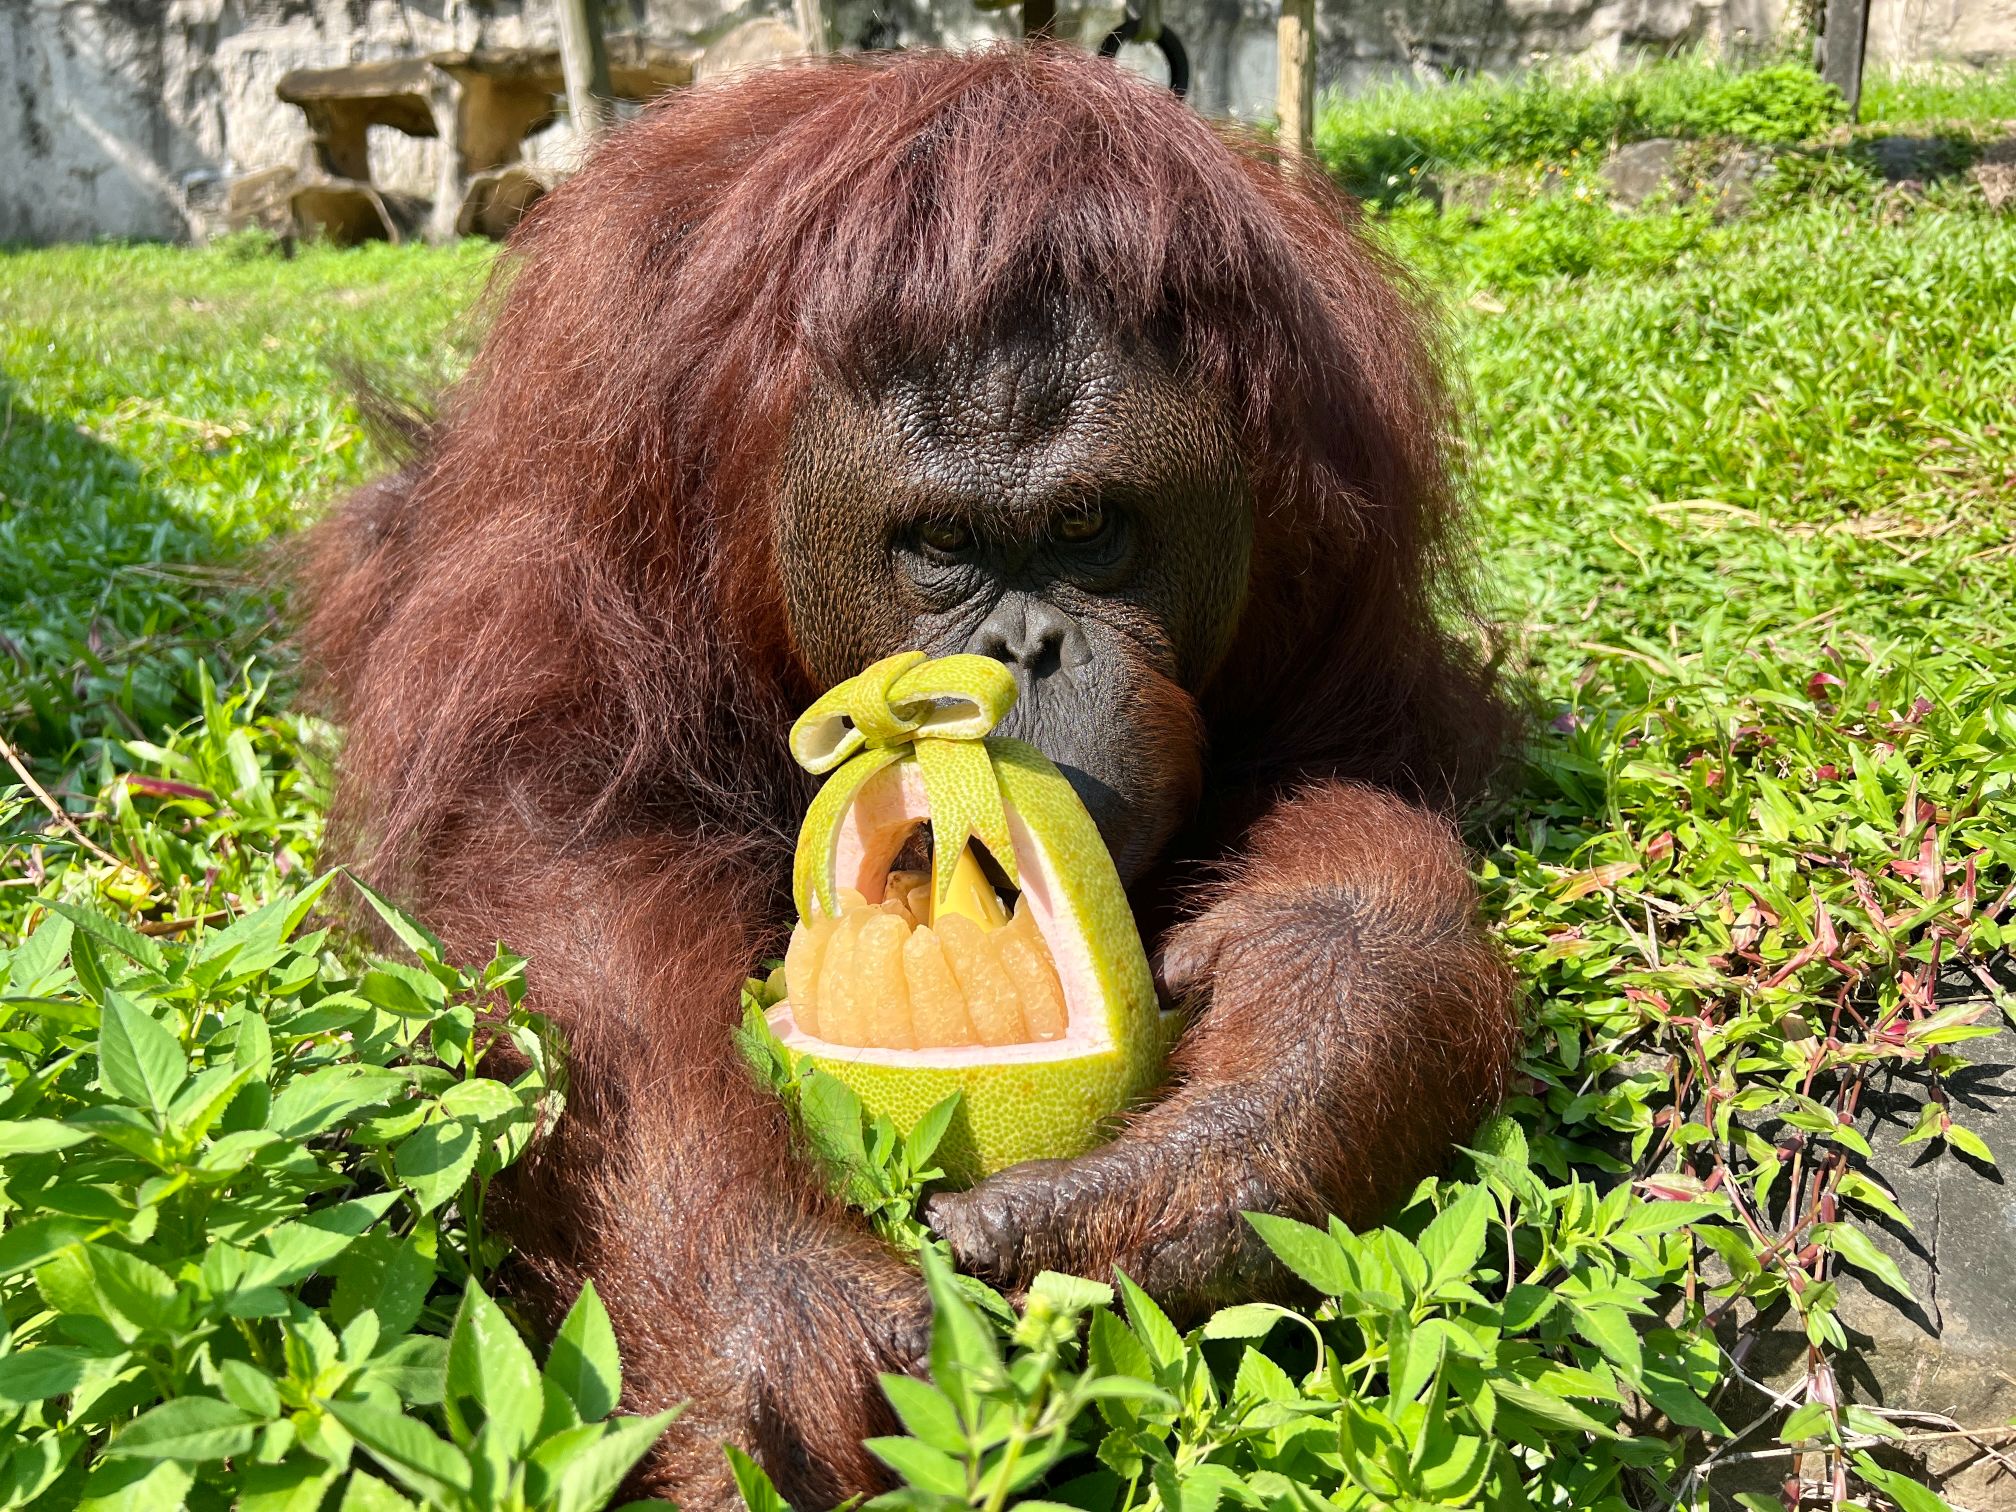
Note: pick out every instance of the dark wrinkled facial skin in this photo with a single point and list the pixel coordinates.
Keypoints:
(1056, 499)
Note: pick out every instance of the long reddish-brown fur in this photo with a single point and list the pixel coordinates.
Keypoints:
(559, 646)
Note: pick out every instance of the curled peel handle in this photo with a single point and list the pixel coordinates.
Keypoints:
(942, 711)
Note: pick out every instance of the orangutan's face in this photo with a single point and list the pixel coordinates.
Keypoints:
(1057, 500)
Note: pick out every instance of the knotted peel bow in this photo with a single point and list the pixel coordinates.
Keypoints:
(907, 706)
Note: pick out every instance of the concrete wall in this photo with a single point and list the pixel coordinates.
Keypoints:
(112, 112)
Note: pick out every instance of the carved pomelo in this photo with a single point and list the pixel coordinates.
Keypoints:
(1040, 1011)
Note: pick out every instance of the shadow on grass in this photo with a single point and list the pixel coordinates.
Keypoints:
(110, 592)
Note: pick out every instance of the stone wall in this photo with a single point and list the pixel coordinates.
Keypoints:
(112, 111)
(117, 115)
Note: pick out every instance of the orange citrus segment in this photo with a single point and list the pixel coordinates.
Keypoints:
(801, 966)
(876, 978)
(843, 1017)
(1027, 961)
(937, 1006)
(991, 999)
(878, 969)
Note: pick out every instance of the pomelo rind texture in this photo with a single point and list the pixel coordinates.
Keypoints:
(1009, 1111)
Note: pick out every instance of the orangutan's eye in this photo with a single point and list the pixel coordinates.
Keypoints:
(947, 536)
(1085, 523)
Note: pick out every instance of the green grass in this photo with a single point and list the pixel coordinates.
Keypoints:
(1376, 141)
(161, 415)
(1952, 92)
(1740, 494)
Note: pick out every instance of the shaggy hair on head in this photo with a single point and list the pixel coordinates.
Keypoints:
(579, 562)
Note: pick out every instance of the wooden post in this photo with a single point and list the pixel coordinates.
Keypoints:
(815, 24)
(1844, 39)
(1295, 85)
(584, 63)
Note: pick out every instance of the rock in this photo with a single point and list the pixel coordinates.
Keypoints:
(1949, 1350)
(1730, 178)
(1472, 191)
(497, 200)
(203, 202)
(1994, 174)
(1897, 159)
(262, 201)
(1724, 173)
(347, 212)
(1639, 171)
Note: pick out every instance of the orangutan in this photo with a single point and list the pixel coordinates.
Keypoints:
(1006, 352)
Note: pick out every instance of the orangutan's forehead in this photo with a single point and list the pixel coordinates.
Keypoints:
(1033, 414)
(1022, 384)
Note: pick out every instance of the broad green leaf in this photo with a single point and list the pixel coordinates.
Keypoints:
(40, 1371)
(1247, 1320)
(1678, 1400)
(36, 964)
(296, 1485)
(294, 1250)
(481, 1099)
(1909, 1495)
(580, 1468)
(194, 1429)
(37, 1136)
(583, 1361)
(248, 1387)
(1116, 1351)
(1308, 1252)
(832, 1118)
(391, 1276)
(316, 1101)
(406, 1447)
(1807, 1422)
(138, 1059)
(1860, 1251)
(265, 927)
(926, 1413)
(408, 930)
(1417, 1355)
(1969, 1143)
(366, 1493)
(129, 942)
(1070, 1294)
(1551, 1410)
(1609, 1329)
(920, 1465)
(119, 1483)
(492, 1381)
(1151, 1325)
(758, 1494)
(926, 1134)
(1454, 1239)
(416, 1368)
(963, 1353)
(434, 1162)
(141, 1293)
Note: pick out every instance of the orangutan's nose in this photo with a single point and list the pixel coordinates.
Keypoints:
(1032, 636)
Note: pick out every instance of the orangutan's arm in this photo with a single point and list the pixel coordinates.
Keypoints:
(1354, 1020)
(735, 1283)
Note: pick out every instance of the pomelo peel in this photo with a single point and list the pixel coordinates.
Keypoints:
(908, 987)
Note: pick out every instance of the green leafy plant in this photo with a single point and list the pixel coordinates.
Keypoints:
(241, 1187)
(1786, 102)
